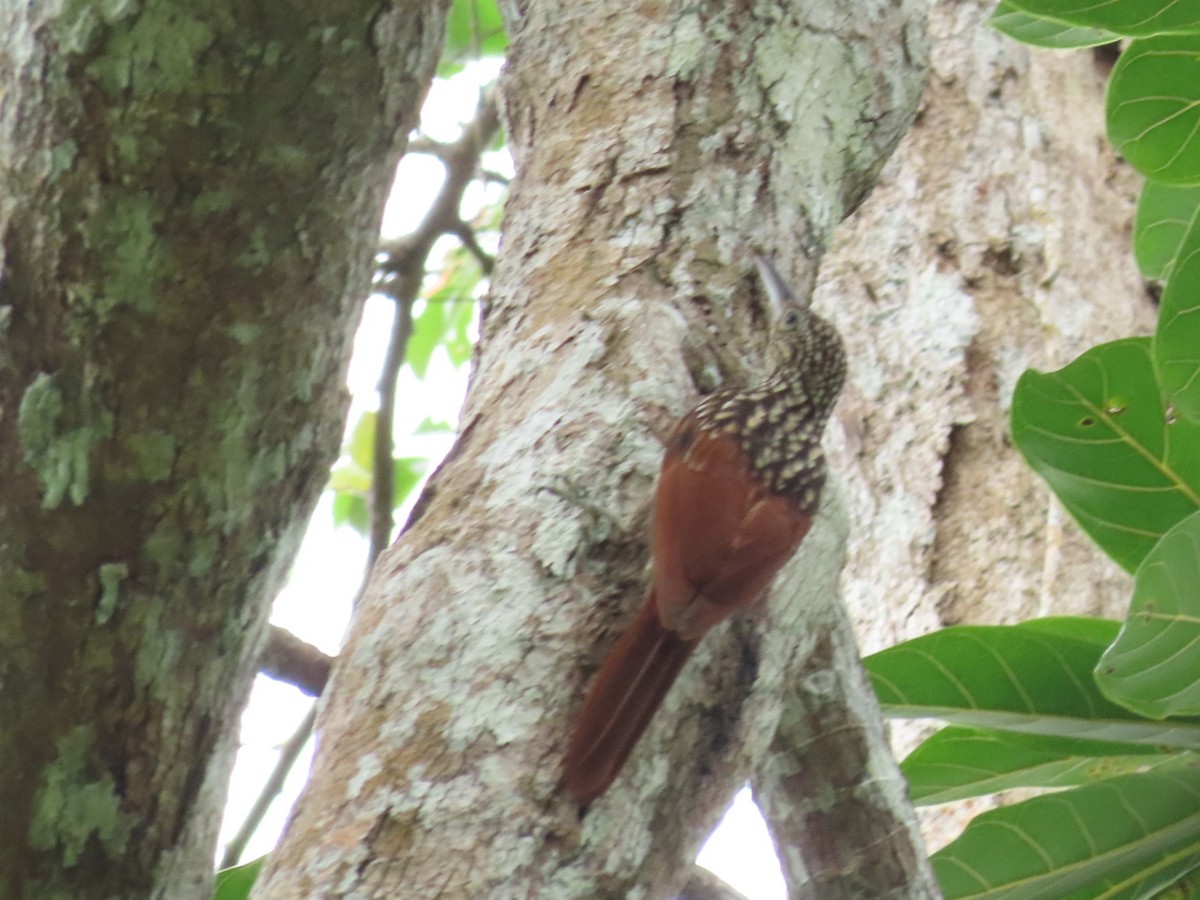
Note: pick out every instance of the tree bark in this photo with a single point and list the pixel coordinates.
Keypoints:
(997, 239)
(657, 147)
(188, 214)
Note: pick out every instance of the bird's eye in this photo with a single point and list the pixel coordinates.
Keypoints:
(791, 318)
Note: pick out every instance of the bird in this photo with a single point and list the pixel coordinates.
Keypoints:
(739, 487)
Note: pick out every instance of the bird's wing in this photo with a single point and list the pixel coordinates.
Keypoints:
(718, 536)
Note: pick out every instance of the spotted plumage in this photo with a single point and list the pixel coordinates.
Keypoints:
(779, 423)
(739, 487)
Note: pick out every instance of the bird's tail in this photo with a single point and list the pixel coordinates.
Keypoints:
(632, 682)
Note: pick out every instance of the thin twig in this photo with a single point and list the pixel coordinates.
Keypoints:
(403, 270)
(288, 754)
(383, 464)
(466, 234)
(427, 146)
(488, 176)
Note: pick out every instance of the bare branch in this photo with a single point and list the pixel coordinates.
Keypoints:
(427, 146)
(704, 885)
(287, 658)
(466, 234)
(382, 463)
(830, 771)
(404, 270)
(288, 754)
(488, 176)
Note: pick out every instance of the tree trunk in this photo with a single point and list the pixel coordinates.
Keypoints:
(997, 240)
(188, 214)
(657, 148)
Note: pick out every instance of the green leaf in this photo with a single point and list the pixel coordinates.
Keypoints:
(351, 480)
(960, 762)
(1172, 878)
(1012, 678)
(235, 883)
(1154, 666)
(1097, 837)
(361, 446)
(1186, 886)
(474, 30)
(351, 509)
(448, 311)
(1031, 29)
(1129, 17)
(1153, 107)
(459, 345)
(429, 328)
(1165, 213)
(1100, 632)
(429, 426)
(406, 473)
(1097, 432)
(1177, 340)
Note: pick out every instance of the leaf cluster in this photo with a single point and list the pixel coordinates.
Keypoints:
(1108, 715)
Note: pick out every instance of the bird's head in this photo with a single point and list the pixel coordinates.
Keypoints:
(803, 344)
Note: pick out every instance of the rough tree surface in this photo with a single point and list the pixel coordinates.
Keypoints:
(189, 199)
(657, 147)
(997, 239)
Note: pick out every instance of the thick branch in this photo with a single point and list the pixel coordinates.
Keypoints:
(297, 662)
(704, 885)
(829, 789)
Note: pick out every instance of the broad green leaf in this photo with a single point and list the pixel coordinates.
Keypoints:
(1030, 29)
(1154, 666)
(1171, 878)
(1015, 679)
(352, 489)
(1100, 632)
(1153, 107)
(1181, 885)
(1097, 432)
(1128, 17)
(1076, 843)
(351, 479)
(1177, 340)
(235, 883)
(960, 762)
(1165, 213)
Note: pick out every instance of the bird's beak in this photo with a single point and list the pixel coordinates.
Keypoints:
(779, 295)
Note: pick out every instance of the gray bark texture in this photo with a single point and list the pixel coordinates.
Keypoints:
(189, 199)
(997, 240)
(657, 148)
